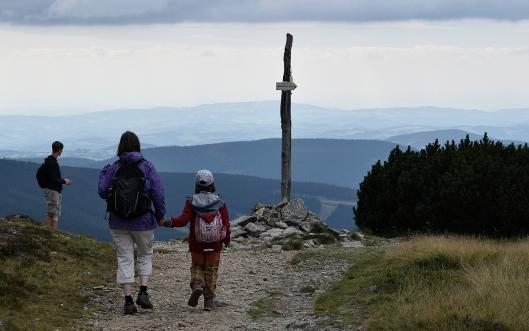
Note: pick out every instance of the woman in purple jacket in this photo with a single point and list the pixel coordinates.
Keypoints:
(137, 230)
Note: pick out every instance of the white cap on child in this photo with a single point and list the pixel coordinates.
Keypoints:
(204, 178)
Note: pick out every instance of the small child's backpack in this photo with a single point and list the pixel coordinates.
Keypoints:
(42, 176)
(128, 198)
(209, 232)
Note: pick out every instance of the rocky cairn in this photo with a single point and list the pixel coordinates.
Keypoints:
(285, 226)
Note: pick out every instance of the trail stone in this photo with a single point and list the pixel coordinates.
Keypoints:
(281, 225)
(237, 231)
(260, 213)
(333, 231)
(277, 248)
(251, 228)
(343, 237)
(266, 237)
(294, 211)
(274, 232)
(272, 221)
(290, 231)
(292, 221)
(310, 243)
(259, 205)
(261, 226)
(305, 226)
(243, 220)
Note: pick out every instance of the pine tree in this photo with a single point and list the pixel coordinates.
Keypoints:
(474, 187)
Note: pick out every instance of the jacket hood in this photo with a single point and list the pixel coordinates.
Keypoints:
(130, 157)
(206, 203)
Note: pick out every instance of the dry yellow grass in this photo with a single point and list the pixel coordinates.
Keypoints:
(437, 283)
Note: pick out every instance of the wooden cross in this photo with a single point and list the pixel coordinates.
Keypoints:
(286, 87)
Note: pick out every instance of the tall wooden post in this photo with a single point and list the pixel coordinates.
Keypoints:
(286, 122)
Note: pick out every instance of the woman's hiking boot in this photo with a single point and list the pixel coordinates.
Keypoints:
(130, 307)
(195, 295)
(209, 305)
(143, 300)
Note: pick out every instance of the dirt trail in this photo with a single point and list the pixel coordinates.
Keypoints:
(286, 293)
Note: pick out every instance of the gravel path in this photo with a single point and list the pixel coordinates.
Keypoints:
(286, 293)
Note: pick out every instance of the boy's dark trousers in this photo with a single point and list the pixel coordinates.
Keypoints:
(204, 272)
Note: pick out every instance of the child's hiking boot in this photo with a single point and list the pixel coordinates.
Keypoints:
(209, 305)
(130, 308)
(143, 300)
(195, 295)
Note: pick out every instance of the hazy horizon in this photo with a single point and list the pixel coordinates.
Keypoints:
(198, 105)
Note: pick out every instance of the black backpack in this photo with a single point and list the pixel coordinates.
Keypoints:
(128, 198)
(42, 176)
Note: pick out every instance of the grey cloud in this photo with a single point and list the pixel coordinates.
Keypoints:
(56, 12)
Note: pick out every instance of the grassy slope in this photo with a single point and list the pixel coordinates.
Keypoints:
(434, 283)
(47, 276)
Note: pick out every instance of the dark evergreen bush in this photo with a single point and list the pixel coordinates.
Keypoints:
(474, 187)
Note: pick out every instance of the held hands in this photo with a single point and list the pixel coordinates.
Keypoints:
(68, 181)
(165, 222)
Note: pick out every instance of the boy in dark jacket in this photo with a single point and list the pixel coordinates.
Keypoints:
(209, 231)
(52, 190)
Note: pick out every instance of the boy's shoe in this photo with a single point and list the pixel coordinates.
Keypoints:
(130, 308)
(195, 295)
(209, 305)
(144, 301)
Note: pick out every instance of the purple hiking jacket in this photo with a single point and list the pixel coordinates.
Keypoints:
(154, 188)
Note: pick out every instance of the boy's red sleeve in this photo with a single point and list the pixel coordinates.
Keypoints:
(226, 222)
(186, 216)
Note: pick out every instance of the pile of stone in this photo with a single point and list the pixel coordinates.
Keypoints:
(278, 224)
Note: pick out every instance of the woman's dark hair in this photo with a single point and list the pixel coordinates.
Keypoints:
(56, 146)
(129, 142)
(210, 188)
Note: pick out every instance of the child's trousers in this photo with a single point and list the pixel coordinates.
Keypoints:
(204, 271)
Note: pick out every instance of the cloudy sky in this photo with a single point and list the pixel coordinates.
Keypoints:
(72, 56)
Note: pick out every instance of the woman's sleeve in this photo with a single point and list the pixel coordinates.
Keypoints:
(156, 192)
(105, 180)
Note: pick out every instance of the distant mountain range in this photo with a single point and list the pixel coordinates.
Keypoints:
(89, 135)
(84, 211)
(329, 161)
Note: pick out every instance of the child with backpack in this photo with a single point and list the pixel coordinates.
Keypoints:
(208, 232)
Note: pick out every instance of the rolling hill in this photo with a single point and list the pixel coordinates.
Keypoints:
(329, 161)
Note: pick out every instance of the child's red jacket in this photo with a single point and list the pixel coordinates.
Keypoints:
(206, 204)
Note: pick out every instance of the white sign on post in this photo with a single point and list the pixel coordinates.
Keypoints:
(286, 86)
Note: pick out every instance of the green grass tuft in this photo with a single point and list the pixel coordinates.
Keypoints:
(318, 228)
(267, 306)
(44, 273)
(293, 244)
(435, 283)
